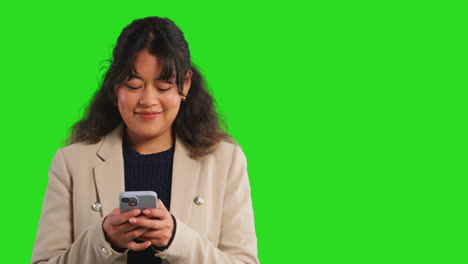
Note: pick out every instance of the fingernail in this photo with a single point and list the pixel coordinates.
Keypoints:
(137, 212)
(147, 211)
(133, 220)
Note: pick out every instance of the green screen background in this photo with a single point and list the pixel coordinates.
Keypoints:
(352, 116)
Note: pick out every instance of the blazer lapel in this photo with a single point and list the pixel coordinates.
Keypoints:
(109, 175)
(185, 175)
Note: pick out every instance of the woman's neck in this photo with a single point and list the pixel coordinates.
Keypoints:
(149, 145)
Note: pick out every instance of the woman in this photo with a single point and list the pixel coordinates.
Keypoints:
(151, 126)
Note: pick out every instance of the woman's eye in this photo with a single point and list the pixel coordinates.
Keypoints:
(132, 87)
(164, 89)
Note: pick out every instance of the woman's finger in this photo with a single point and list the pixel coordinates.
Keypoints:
(138, 246)
(156, 213)
(161, 205)
(149, 223)
(154, 234)
(120, 219)
(158, 237)
(135, 233)
(125, 228)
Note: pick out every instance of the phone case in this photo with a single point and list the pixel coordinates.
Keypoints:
(137, 200)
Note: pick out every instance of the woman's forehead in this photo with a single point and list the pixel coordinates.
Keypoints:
(150, 66)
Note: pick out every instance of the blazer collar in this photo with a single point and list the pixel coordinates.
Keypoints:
(110, 181)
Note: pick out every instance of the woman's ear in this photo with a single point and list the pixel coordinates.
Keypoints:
(187, 82)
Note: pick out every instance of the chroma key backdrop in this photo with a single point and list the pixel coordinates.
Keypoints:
(352, 115)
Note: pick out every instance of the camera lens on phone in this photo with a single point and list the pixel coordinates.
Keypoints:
(125, 200)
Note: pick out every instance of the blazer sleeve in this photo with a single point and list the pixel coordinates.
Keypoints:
(55, 243)
(237, 242)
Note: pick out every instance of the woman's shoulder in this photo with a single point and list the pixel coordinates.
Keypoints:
(80, 153)
(226, 150)
(225, 146)
(75, 158)
(82, 148)
(87, 147)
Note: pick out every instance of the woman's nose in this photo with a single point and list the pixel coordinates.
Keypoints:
(149, 96)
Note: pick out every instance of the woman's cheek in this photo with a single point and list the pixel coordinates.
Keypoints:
(125, 99)
(174, 99)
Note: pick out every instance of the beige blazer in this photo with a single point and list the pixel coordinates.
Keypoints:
(84, 186)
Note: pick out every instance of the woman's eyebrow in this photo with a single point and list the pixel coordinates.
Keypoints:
(141, 78)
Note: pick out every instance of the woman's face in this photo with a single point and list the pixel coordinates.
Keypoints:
(149, 106)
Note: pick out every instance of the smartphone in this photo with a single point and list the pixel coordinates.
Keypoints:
(137, 200)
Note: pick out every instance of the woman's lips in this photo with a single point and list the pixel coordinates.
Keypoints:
(148, 115)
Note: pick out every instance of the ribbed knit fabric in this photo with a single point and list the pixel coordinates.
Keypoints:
(151, 172)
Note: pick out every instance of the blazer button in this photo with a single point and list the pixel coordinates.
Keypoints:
(106, 251)
(97, 207)
(198, 200)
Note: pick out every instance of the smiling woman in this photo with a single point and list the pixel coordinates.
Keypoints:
(151, 127)
(149, 105)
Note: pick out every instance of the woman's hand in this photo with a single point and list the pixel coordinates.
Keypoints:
(120, 233)
(160, 229)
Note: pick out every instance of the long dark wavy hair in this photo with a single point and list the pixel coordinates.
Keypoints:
(197, 123)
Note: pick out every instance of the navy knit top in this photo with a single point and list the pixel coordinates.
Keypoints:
(150, 172)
